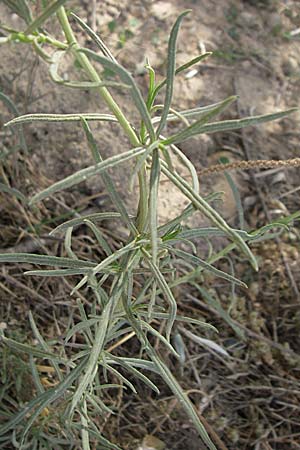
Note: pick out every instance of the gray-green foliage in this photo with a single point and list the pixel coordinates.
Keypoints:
(119, 305)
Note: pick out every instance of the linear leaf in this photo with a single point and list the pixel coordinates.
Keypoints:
(196, 127)
(53, 71)
(194, 113)
(206, 266)
(121, 377)
(44, 260)
(104, 49)
(21, 8)
(126, 364)
(81, 326)
(99, 236)
(205, 342)
(108, 261)
(60, 118)
(48, 12)
(153, 195)
(171, 64)
(180, 69)
(210, 213)
(166, 292)
(12, 191)
(229, 125)
(159, 336)
(95, 217)
(183, 399)
(86, 173)
(31, 350)
(57, 273)
(127, 79)
(54, 394)
(158, 315)
(108, 182)
(98, 344)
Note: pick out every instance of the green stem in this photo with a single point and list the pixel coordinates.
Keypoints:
(114, 108)
(90, 70)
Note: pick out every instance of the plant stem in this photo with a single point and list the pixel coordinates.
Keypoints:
(90, 70)
(114, 108)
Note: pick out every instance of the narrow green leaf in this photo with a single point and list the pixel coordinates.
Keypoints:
(44, 345)
(104, 49)
(68, 243)
(166, 292)
(153, 196)
(57, 273)
(86, 173)
(121, 377)
(53, 71)
(127, 79)
(21, 8)
(95, 217)
(52, 395)
(171, 64)
(237, 199)
(44, 260)
(98, 344)
(35, 375)
(210, 213)
(192, 62)
(194, 113)
(206, 266)
(48, 12)
(126, 364)
(108, 182)
(31, 350)
(180, 69)
(159, 315)
(13, 192)
(60, 118)
(190, 166)
(159, 336)
(183, 399)
(228, 125)
(81, 326)
(85, 437)
(196, 127)
(98, 234)
(108, 261)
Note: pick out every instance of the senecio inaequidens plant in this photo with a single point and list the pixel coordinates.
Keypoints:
(150, 254)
